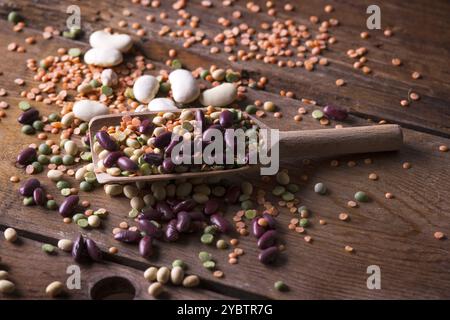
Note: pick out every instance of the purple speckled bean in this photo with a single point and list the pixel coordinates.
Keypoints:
(168, 165)
(29, 186)
(268, 255)
(39, 196)
(27, 156)
(111, 159)
(186, 205)
(172, 233)
(150, 229)
(270, 220)
(232, 195)
(153, 158)
(68, 205)
(128, 236)
(258, 230)
(267, 239)
(163, 140)
(173, 142)
(93, 251)
(127, 164)
(105, 140)
(172, 202)
(79, 250)
(211, 206)
(166, 211)
(222, 224)
(200, 118)
(29, 116)
(146, 127)
(146, 247)
(150, 214)
(226, 118)
(183, 221)
(197, 216)
(335, 113)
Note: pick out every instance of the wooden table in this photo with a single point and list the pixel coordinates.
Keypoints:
(395, 234)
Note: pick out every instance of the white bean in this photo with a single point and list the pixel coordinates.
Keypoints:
(106, 40)
(87, 109)
(184, 86)
(220, 96)
(145, 88)
(103, 57)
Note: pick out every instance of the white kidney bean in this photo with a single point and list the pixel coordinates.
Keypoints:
(145, 88)
(184, 86)
(220, 96)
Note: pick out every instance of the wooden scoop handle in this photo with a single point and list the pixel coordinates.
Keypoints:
(332, 142)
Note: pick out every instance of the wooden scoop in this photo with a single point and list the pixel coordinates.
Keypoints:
(292, 145)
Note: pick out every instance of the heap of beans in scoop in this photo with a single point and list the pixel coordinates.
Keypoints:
(143, 146)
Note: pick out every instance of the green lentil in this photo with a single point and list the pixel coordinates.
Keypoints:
(28, 201)
(164, 87)
(68, 159)
(133, 213)
(303, 209)
(65, 192)
(38, 125)
(86, 156)
(62, 184)
(317, 114)
(176, 64)
(53, 117)
(48, 248)
(210, 229)
(361, 196)
(204, 256)
(86, 186)
(209, 265)
(56, 160)
(207, 238)
(293, 187)
(221, 244)
(107, 91)
(83, 127)
(320, 188)
(204, 74)
(287, 196)
(43, 159)
(83, 223)
(278, 191)
(38, 168)
(280, 286)
(129, 93)
(179, 263)
(250, 214)
(74, 52)
(14, 17)
(232, 76)
(90, 177)
(283, 178)
(51, 205)
(78, 216)
(303, 222)
(24, 105)
(44, 149)
(251, 109)
(247, 205)
(28, 129)
(95, 83)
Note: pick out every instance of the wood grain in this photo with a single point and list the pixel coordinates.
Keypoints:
(396, 234)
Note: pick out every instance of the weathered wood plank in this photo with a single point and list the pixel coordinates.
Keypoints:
(377, 95)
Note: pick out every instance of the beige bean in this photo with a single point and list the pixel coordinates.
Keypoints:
(163, 275)
(65, 245)
(3, 275)
(155, 289)
(54, 289)
(191, 281)
(7, 286)
(177, 275)
(10, 235)
(150, 273)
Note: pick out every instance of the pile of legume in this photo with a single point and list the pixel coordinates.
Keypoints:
(143, 146)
